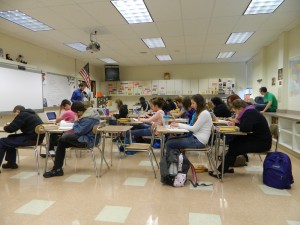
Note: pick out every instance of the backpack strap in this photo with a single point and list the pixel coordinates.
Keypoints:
(194, 181)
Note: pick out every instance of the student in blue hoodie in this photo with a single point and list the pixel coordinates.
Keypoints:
(25, 120)
(82, 137)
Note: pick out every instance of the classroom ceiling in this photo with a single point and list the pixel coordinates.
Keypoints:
(194, 31)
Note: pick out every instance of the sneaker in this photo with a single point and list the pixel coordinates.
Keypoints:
(53, 173)
(10, 166)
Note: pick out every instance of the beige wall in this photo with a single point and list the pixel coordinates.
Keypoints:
(46, 59)
(266, 63)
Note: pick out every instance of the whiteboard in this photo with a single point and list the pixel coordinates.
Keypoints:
(20, 87)
(57, 88)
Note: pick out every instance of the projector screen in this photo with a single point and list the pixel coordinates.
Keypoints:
(20, 87)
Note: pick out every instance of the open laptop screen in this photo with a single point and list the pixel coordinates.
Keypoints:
(51, 115)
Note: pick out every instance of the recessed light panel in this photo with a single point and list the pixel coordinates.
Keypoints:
(24, 20)
(238, 38)
(262, 6)
(164, 57)
(78, 46)
(154, 42)
(108, 60)
(134, 11)
(225, 55)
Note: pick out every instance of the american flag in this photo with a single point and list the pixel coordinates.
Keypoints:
(85, 73)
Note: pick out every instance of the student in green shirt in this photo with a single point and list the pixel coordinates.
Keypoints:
(269, 100)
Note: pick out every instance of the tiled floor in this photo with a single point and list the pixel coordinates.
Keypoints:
(128, 194)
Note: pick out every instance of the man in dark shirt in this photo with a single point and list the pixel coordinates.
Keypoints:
(25, 120)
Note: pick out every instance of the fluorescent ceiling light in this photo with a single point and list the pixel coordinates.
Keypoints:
(238, 38)
(262, 6)
(164, 57)
(24, 20)
(134, 11)
(225, 55)
(154, 42)
(108, 60)
(78, 46)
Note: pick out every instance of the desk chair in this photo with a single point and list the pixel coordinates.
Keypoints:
(275, 136)
(39, 130)
(207, 149)
(144, 147)
(96, 144)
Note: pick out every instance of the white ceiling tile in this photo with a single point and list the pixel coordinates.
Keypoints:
(279, 21)
(56, 2)
(171, 28)
(147, 30)
(194, 27)
(195, 9)
(230, 8)
(75, 15)
(166, 10)
(16, 4)
(104, 12)
(49, 17)
(221, 25)
(250, 22)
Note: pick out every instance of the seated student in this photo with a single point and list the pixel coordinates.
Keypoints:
(258, 139)
(25, 120)
(82, 137)
(270, 101)
(123, 110)
(200, 130)
(157, 118)
(220, 109)
(181, 113)
(189, 110)
(170, 105)
(144, 104)
(68, 116)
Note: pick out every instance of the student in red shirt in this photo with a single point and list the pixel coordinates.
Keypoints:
(68, 115)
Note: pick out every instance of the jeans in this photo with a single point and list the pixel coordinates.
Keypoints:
(8, 145)
(173, 145)
(66, 141)
(53, 140)
(141, 130)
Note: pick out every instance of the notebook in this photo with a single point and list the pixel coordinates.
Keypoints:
(65, 125)
(51, 116)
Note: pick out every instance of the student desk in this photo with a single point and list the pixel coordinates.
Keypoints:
(48, 132)
(135, 116)
(111, 130)
(219, 134)
(132, 123)
(178, 120)
(163, 130)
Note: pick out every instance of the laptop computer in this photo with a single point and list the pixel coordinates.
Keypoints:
(105, 112)
(135, 111)
(51, 117)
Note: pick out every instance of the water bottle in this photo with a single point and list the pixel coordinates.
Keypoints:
(165, 120)
(173, 169)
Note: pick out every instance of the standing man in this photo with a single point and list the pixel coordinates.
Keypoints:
(270, 102)
(78, 94)
(25, 120)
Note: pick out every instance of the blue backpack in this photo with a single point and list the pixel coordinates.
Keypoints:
(277, 171)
